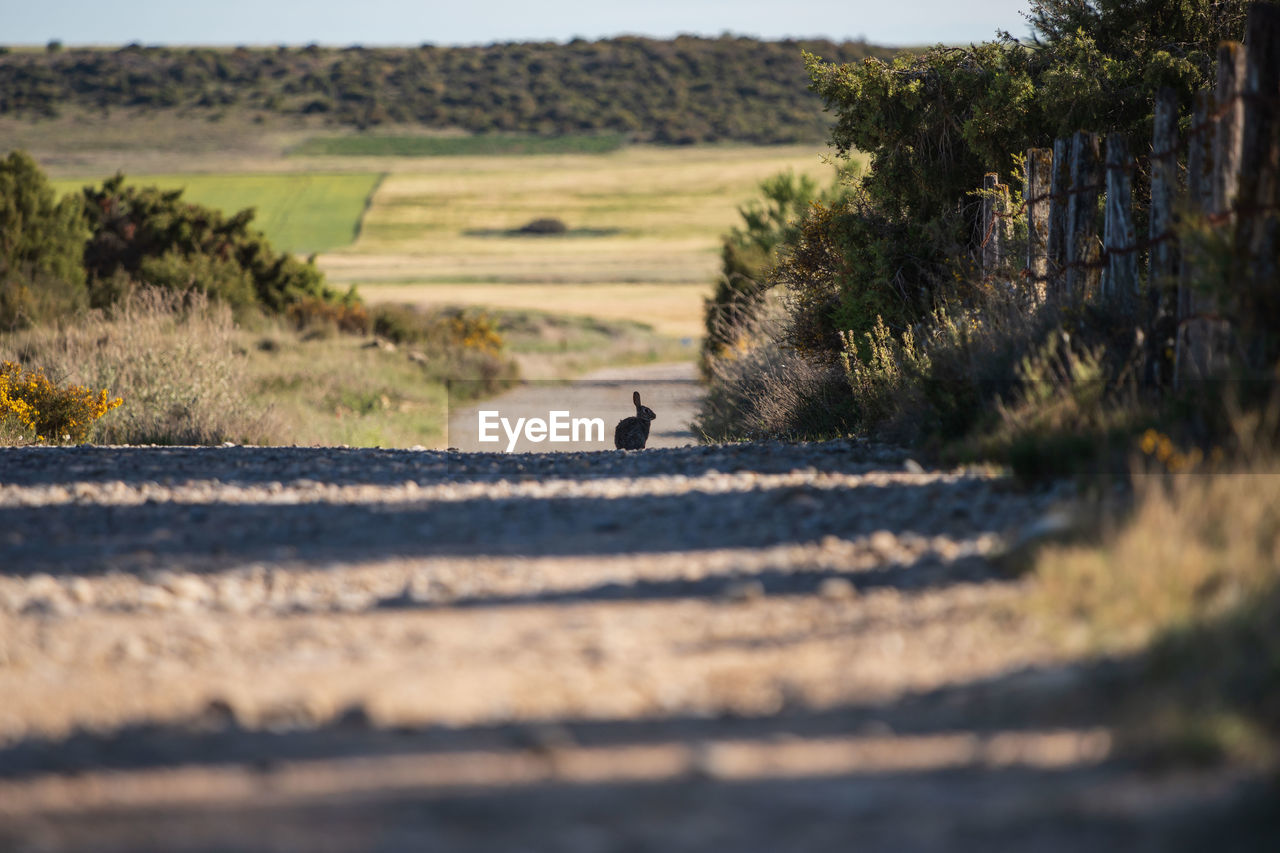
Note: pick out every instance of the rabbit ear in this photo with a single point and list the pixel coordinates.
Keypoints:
(635, 397)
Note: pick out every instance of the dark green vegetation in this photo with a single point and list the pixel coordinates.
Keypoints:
(747, 254)
(685, 90)
(493, 144)
(885, 325)
(90, 249)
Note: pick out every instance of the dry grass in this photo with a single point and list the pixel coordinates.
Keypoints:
(338, 391)
(1190, 582)
(669, 309)
(651, 215)
(1195, 547)
(560, 346)
(762, 388)
(172, 357)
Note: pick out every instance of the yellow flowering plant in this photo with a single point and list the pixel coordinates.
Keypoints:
(39, 410)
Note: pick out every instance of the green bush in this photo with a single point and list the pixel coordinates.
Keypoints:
(883, 280)
(41, 242)
(748, 256)
(151, 235)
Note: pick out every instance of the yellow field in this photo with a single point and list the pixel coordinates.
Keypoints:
(649, 223)
(671, 309)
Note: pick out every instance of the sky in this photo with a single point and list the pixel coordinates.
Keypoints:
(413, 22)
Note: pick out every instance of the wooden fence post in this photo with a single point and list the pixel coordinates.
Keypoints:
(991, 223)
(1037, 188)
(1163, 259)
(1120, 282)
(1082, 211)
(1191, 354)
(1056, 243)
(1161, 306)
(1224, 177)
(1199, 199)
(1257, 239)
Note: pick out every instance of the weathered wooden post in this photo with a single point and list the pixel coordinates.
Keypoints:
(1191, 356)
(1199, 197)
(1120, 281)
(1163, 259)
(1037, 188)
(1082, 210)
(1056, 243)
(1257, 239)
(1229, 129)
(991, 223)
(1161, 306)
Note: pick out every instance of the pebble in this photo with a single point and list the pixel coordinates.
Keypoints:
(837, 589)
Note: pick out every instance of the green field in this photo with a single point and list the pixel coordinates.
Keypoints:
(298, 211)
(488, 144)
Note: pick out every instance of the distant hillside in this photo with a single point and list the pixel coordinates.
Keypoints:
(683, 90)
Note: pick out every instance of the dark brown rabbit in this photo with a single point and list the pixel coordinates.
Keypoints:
(632, 433)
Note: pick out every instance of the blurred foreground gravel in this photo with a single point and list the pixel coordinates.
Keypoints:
(752, 647)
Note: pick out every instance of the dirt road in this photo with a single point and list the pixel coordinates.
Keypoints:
(672, 391)
(757, 647)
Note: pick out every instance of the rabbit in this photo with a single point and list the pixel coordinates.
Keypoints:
(632, 433)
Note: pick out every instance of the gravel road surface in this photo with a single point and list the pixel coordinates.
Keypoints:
(757, 647)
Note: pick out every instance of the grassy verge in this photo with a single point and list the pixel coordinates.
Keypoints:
(189, 375)
(174, 360)
(1189, 581)
(489, 145)
(339, 391)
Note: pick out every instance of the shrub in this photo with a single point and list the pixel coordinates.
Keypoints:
(41, 241)
(33, 408)
(763, 388)
(442, 329)
(747, 257)
(152, 236)
(456, 344)
(171, 356)
(311, 314)
(544, 226)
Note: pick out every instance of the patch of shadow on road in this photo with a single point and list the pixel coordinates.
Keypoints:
(928, 572)
(979, 805)
(340, 466)
(1116, 803)
(96, 538)
(1009, 810)
(1074, 696)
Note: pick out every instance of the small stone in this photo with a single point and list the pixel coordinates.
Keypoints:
(81, 591)
(911, 466)
(837, 589)
(884, 543)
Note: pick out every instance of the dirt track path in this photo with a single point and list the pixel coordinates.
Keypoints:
(671, 390)
(757, 647)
